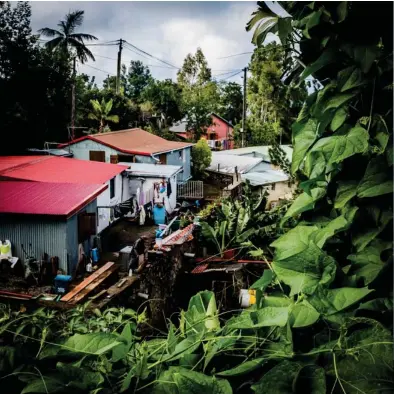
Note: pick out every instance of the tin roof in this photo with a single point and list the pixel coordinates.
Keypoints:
(57, 169)
(42, 198)
(134, 141)
(258, 151)
(152, 170)
(226, 163)
(265, 177)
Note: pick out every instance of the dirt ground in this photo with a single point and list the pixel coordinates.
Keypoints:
(124, 233)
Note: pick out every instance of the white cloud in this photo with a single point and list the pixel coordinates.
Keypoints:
(167, 30)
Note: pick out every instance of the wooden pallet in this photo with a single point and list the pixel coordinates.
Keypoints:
(92, 285)
(87, 281)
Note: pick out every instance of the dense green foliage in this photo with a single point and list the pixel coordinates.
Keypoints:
(322, 322)
(273, 105)
(201, 158)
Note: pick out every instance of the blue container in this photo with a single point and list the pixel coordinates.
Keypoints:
(159, 215)
(95, 255)
(62, 283)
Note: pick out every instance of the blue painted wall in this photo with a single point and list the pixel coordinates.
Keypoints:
(72, 238)
(174, 158)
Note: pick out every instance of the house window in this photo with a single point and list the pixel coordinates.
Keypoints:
(112, 188)
(97, 155)
(273, 186)
(180, 155)
(289, 185)
(114, 159)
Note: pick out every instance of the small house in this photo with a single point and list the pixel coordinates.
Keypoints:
(57, 219)
(133, 146)
(252, 164)
(152, 184)
(219, 134)
(65, 170)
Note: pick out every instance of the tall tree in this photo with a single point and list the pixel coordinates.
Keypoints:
(66, 40)
(231, 100)
(165, 98)
(34, 85)
(273, 105)
(194, 70)
(136, 80)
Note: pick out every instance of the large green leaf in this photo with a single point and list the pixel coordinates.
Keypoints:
(330, 301)
(278, 380)
(342, 11)
(327, 57)
(311, 379)
(245, 367)
(303, 314)
(341, 223)
(365, 363)
(46, 384)
(338, 100)
(365, 55)
(202, 313)
(178, 380)
(271, 316)
(335, 149)
(345, 192)
(375, 181)
(303, 138)
(362, 238)
(368, 263)
(210, 234)
(304, 271)
(294, 241)
(264, 281)
(350, 78)
(305, 202)
(339, 118)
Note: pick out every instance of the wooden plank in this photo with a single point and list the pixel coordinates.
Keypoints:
(114, 290)
(88, 280)
(91, 286)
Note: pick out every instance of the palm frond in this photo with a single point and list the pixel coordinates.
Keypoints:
(55, 43)
(108, 107)
(93, 116)
(83, 36)
(48, 32)
(83, 53)
(112, 118)
(73, 19)
(96, 106)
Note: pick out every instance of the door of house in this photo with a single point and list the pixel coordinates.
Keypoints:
(97, 155)
(163, 158)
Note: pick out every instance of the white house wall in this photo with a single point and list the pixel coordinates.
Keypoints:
(282, 191)
(81, 150)
(104, 214)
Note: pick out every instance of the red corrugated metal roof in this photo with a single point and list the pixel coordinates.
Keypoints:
(58, 169)
(42, 198)
(134, 141)
(7, 162)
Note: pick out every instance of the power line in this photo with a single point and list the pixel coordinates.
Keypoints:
(99, 69)
(153, 57)
(237, 54)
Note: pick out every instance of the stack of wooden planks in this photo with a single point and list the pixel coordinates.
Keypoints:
(82, 290)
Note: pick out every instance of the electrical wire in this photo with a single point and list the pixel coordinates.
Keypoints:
(99, 69)
(153, 57)
(237, 54)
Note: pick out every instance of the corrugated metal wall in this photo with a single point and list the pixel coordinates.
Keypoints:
(45, 235)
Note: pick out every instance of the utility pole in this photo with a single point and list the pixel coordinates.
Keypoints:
(244, 110)
(119, 66)
(73, 100)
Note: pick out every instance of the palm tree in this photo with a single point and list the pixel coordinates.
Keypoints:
(66, 40)
(101, 113)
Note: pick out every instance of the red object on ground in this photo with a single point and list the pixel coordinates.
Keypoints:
(41, 198)
(57, 169)
(133, 141)
(229, 254)
(200, 269)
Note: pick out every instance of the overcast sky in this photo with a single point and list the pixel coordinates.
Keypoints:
(167, 30)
